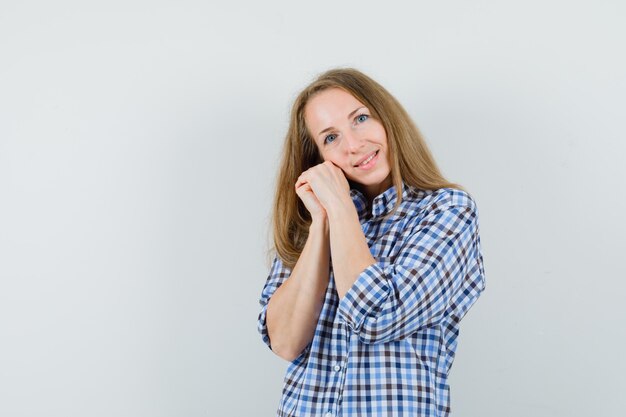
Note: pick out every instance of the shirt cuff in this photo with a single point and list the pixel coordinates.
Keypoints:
(365, 297)
(262, 327)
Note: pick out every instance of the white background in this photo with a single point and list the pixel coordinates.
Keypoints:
(138, 146)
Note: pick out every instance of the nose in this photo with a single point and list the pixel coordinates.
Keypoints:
(353, 141)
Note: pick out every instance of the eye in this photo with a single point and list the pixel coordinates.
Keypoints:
(362, 117)
(329, 138)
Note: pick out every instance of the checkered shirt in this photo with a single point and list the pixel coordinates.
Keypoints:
(386, 348)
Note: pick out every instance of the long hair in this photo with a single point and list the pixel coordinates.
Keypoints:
(411, 161)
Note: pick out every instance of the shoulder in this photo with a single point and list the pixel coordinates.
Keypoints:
(429, 201)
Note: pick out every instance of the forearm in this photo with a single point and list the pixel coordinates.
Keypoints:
(294, 309)
(348, 246)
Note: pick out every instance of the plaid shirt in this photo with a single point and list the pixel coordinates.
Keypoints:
(385, 348)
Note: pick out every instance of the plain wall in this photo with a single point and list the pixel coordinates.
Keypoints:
(139, 142)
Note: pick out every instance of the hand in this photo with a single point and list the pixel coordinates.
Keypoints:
(327, 183)
(305, 193)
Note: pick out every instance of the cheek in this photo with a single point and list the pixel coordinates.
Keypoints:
(383, 137)
(381, 134)
(337, 160)
(328, 156)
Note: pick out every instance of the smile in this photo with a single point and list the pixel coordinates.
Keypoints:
(369, 162)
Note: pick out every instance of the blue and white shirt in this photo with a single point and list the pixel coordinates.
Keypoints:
(386, 348)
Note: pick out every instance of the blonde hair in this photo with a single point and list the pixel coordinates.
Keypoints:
(411, 161)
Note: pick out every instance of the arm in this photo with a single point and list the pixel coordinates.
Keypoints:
(348, 246)
(438, 268)
(292, 300)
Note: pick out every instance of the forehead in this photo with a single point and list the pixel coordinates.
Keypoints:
(328, 106)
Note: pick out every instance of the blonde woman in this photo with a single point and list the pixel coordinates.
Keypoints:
(377, 258)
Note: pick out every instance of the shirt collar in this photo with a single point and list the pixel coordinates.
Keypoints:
(382, 203)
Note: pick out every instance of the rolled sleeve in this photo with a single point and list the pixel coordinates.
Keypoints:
(276, 277)
(365, 297)
(262, 326)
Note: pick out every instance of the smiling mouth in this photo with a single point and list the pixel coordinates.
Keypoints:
(368, 159)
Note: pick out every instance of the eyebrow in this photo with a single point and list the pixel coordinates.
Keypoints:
(349, 116)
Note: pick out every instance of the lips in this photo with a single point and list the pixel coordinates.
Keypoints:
(365, 158)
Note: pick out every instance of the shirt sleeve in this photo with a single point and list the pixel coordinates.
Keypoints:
(437, 271)
(277, 275)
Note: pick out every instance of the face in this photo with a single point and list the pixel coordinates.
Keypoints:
(347, 135)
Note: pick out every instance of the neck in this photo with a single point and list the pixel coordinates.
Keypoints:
(371, 191)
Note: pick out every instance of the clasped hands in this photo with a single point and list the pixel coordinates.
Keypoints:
(323, 188)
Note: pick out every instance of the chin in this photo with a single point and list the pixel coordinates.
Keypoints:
(371, 182)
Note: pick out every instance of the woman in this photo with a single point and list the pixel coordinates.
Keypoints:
(377, 258)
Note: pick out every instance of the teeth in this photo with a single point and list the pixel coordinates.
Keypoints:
(368, 159)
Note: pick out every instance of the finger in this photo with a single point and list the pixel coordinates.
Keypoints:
(303, 185)
(300, 183)
(332, 165)
(304, 176)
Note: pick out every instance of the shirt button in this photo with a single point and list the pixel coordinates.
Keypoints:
(337, 368)
(329, 414)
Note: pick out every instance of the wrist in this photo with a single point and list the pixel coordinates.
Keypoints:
(342, 210)
(319, 225)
